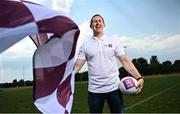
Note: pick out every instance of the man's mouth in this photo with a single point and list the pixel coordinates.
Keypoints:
(98, 27)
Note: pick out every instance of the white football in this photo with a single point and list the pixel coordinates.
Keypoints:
(128, 85)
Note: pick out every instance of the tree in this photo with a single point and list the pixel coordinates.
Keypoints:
(77, 77)
(14, 82)
(142, 65)
(176, 66)
(154, 60)
(84, 76)
(21, 83)
(28, 83)
(155, 66)
(166, 67)
(123, 72)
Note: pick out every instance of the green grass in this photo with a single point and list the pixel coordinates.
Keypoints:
(16, 100)
(166, 102)
(19, 100)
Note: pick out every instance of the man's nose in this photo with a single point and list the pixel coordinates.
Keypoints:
(97, 23)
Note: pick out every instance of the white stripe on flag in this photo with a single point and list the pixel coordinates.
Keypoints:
(42, 12)
(58, 48)
(9, 36)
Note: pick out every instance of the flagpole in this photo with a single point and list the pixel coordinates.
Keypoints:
(23, 75)
(125, 47)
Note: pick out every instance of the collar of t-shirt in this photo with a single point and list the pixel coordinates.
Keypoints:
(102, 38)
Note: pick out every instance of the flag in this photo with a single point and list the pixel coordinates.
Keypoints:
(55, 36)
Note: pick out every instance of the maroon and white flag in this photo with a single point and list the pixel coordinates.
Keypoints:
(55, 36)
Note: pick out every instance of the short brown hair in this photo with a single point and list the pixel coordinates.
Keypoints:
(95, 16)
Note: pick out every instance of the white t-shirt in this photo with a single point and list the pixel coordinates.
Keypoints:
(101, 54)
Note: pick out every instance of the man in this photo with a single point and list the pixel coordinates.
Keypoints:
(101, 52)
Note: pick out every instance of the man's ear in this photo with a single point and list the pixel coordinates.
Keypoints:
(90, 26)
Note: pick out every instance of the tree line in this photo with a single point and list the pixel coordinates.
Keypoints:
(145, 68)
(15, 83)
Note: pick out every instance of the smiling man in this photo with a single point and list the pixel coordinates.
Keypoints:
(101, 52)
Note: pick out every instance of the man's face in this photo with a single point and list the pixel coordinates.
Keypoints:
(97, 24)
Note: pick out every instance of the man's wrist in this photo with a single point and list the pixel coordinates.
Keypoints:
(140, 78)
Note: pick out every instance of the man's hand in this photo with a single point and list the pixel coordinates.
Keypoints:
(140, 85)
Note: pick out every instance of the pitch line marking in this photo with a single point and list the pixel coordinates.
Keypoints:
(149, 98)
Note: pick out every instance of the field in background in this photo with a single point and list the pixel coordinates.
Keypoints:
(161, 94)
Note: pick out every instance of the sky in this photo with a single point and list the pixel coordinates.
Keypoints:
(145, 27)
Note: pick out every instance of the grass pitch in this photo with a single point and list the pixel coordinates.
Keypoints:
(161, 94)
